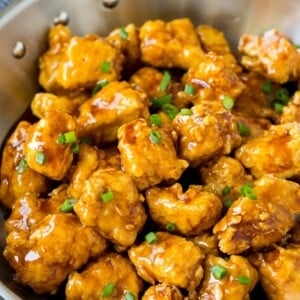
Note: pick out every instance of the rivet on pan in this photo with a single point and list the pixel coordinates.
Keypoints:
(110, 3)
(19, 50)
(61, 18)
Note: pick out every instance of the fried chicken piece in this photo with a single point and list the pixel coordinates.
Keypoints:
(224, 177)
(213, 80)
(73, 63)
(17, 178)
(42, 149)
(275, 152)
(279, 272)
(171, 260)
(209, 131)
(291, 112)
(271, 55)
(214, 40)
(111, 204)
(170, 44)
(44, 256)
(162, 292)
(114, 105)
(109, 269)
(45, 102)
(190, 212)
(253, 102)
(148, 154)
(126, 39)
(207, 242)
(239, 279)
(260, 217)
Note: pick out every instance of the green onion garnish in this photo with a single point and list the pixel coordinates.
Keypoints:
(67, 206)
(247, 191)
(160, 101)
(226, 190)
(40, 157)
(170, 226)
(129, 296)
(155, 119)
(123, 33)
(189, 89)
(282, 95)
(267, 87)
(243, 279)
(61, 138)
(22, 166)
(85, 140)
(186, 111)
(107, 196)
(165, 81)
(67, 138)
(218, 271)
(155, 137)
(99, 85)
(227, 203)
(151, 238)
(75, 148)
(243, 129)
(170, 110)
(228, 102)
(105, 67)
(108, 290)
(278, 107)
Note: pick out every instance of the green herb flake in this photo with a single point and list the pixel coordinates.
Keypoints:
(165, 81)
(155, 119)
(22, 166)
(218, 271)
(228, 102)
(189, 89)
(243, 279)
(105, 67)
(123, 33)
(170, 110)
(67, 206)
(151, 238)
(40, 157)
(155, 137)
(248, 191)
(107, 196)
(243, 129)
(267, 87)
(99, 85)
(108, 290)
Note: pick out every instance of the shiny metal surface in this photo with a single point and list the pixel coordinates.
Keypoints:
(28, 21)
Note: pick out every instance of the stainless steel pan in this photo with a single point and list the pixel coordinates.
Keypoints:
(25, 23)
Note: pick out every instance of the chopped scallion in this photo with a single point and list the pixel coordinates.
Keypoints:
(105, 67)
(247, 191)
(282, 95)
(160, 101)
(170, 226)
(107, 196)
(129, 296)
(70, 137)
(227, 203)
(75, 148)
(170, 110)
(40, 157)
(267, 87)
(186, 111)
(67, 206)
(108, 290)
(151, 238)
(243, 129)
(243, 279)
(226, 190)
(85, 140)
(228, 102)
(155, 119)
(99, 85)
(218, 271)
(123, 33)
(22, 166)
(278, 107)
(155, 137)
(189, 89)
(165, 81)
(61, 138)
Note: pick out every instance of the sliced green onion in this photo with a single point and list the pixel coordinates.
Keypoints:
(297, 46)
(282, 95)
(227, 203)
(226, 190)
(160, 101)
(61, 138)
(155, 137)
(151, 238)
(40, 157)
(247, 191)
(123, 33)
(22, 166)
(218, 271)
(99, 85)
(243, 129)
(129, 296)
(228, 102)
(67, 138)
(108, 289)
(267, 87)
(165, 81)
(67, 206)
(170, 226)
(189, 89)
(107, 196)
(75, 148)
(243, 279)
(85, 140)
(155, 119)
(105, 67)
(278, 107)
(186, 111)
(170, 110)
